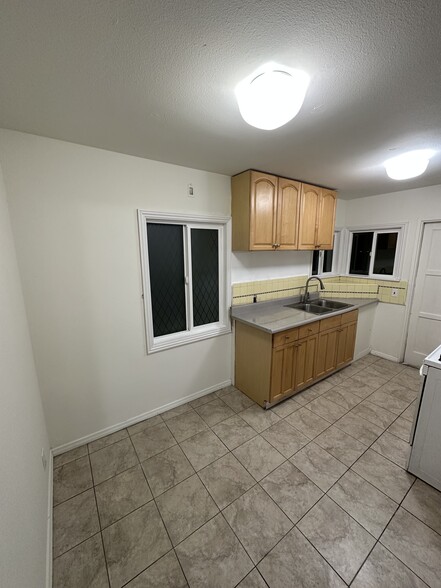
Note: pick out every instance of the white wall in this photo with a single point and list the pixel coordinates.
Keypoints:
(73, 212)
(412, 207)
(23, 482)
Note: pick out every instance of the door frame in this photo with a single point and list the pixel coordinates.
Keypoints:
(412, 280)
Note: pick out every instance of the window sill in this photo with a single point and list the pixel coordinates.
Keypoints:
(178, 339)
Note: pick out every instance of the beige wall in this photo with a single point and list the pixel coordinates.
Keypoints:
(23, 481)
(73, 212)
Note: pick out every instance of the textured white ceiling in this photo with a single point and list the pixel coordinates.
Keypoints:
(156, 79)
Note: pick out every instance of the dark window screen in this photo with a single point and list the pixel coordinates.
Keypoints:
(315, 263)
(327, 260)
(205, 275)
(167, 278)
(361, 253)
(385, 253)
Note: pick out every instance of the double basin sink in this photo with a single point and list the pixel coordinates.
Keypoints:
(319, 306)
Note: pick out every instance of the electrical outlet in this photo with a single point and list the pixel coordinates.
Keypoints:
(190, 191)
(43, 458)
(394, 292)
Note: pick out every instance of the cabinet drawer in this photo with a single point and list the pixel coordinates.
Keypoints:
(349, 317)
(330, 323)
(310, 329)
(285, 337)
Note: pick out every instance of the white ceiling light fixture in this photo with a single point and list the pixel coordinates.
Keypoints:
(408, 165)
(271, 96)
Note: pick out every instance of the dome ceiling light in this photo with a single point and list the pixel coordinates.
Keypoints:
(408, 165)
(271, 96)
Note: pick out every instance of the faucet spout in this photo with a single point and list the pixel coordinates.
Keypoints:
(322, 287)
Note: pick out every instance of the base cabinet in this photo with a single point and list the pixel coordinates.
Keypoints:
(270, 368)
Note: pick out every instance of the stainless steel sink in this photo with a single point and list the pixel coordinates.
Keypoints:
(312, 308)
(331, 304)
(319, 306)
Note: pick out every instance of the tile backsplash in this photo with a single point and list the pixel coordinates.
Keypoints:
(335, 287)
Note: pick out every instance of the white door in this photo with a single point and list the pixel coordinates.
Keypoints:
(425, 319)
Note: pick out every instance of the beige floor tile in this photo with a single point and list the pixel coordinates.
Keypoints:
(367, 505)
(121, 495)
(384, 570)
(393, 448)
(307, 422)
(258, 457)
(257, 521)
(167, 469)
(234, 431)
(83, 565)
(164, 573)
(226, 479)
(213, 556)
(319, 465)
(384, 475)
(71, 479)
(341, 445)
(112, 460)
(291, 490)
(133, 543)
(416, 545)
(337, 537)
(186, 507)
(203, 448)
(424, 502)
(285, 438)
(295, 563)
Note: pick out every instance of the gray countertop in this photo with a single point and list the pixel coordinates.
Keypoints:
(274, 316)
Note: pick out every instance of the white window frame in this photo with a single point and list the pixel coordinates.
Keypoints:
(335, 258)
(400, 228)
(192, 334)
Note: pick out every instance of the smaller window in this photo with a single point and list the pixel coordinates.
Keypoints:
(374, 253)
(325, 262)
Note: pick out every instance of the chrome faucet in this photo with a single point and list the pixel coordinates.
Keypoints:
(306, 296)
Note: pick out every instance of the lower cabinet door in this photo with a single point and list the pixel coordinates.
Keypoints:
(326, 356)
(305, 362)
(282, 371)
(346, 344)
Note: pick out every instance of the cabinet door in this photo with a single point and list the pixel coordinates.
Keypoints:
(326, 358)
(288, 197)
(346, 344)
(326, 219)
(308, 215)
(350, 342)
(305, 362)
(263, 210)
(282, 371)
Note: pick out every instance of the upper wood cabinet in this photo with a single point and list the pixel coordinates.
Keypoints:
(272, 213)
(264, 212)
(316, 217)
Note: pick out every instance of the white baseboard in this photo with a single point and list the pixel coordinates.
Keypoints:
(141, 417)
(385, 356)
(49, 521)
(363, 353)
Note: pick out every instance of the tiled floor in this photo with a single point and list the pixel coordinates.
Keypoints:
(220, 493)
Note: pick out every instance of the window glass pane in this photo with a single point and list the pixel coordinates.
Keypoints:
(361, 253)
(167, 278)
(205, 275)
(327, 260)
(315, 263)
(385, 253)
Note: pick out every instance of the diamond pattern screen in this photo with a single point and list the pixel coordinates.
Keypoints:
(205, 275)
(167, 278)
